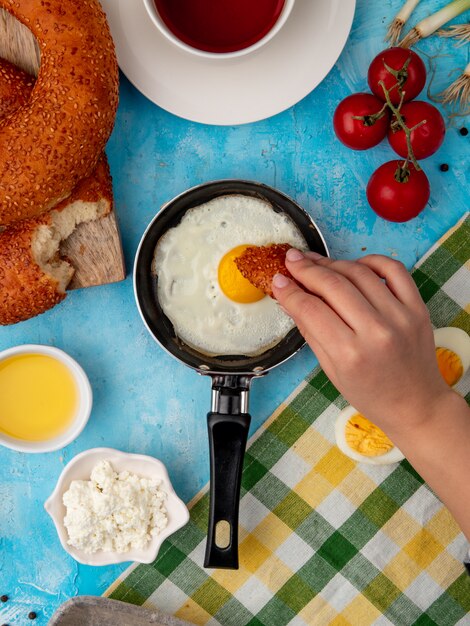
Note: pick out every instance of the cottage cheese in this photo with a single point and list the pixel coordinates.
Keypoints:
(113, 512)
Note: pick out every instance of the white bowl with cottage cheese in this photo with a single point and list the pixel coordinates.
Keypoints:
(110, 507)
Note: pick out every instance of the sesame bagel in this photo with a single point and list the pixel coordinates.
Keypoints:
(15, 88)
(55, 139)
(33, 277)
(26, 289)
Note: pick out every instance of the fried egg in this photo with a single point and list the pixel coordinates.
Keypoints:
(361, 440)
(212, 307)
(452, 353)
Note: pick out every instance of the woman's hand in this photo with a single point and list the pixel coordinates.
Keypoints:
(370, 330)
(368, 326)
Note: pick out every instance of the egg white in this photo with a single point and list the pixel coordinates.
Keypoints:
(186, 262)
(458, 341)
(392, 456)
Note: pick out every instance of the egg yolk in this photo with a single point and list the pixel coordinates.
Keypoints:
(233, 284)
(450, 365)
(365, 437)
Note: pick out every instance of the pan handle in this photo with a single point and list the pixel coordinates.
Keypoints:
(228, 424)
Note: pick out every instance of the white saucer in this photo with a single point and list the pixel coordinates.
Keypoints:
(232, 91)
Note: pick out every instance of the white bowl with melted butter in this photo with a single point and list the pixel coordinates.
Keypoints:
(46, 398)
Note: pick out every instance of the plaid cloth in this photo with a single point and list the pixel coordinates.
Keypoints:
(324, 540)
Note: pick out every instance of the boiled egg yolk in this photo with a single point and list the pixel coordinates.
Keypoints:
(450, 365)
(233, 284)
(365, 437)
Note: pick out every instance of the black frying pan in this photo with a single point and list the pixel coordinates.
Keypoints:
(228, 420)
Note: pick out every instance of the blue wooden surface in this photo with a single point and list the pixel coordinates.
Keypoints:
(145, 401)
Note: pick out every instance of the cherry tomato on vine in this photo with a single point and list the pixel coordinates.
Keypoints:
(426, 138)
(401, 70)
(369, 130)
(397, 191)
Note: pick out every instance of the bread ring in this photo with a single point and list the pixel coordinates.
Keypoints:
(52, 142)
(32, 276)
(15, 88)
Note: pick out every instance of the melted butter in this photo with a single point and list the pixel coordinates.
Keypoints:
(365, 437)
(38, 397)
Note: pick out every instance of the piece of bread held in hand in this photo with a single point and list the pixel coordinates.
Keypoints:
(33, 277)
(259, 265)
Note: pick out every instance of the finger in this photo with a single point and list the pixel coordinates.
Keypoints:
(318, 323)
(397, 279)
(380, 294)
(337, 291)
(367, 281)
(316, 256)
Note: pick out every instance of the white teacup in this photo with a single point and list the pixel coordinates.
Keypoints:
(168, 33)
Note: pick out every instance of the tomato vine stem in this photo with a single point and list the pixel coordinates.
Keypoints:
(401, 123)
(369, 120)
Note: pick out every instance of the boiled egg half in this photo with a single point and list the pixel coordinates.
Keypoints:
(361, 440)
(452, 353)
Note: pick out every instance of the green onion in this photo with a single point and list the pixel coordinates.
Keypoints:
(400, 19)
(459, 31)
(430, 24)
(458, 91)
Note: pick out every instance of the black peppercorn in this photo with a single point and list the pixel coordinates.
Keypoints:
(444, 167)
(464, 131)
(32, 615)
(4, 598)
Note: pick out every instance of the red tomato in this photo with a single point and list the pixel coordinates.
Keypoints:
(410, 70)
(395, 196)
(360, 134)
(425, 139)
